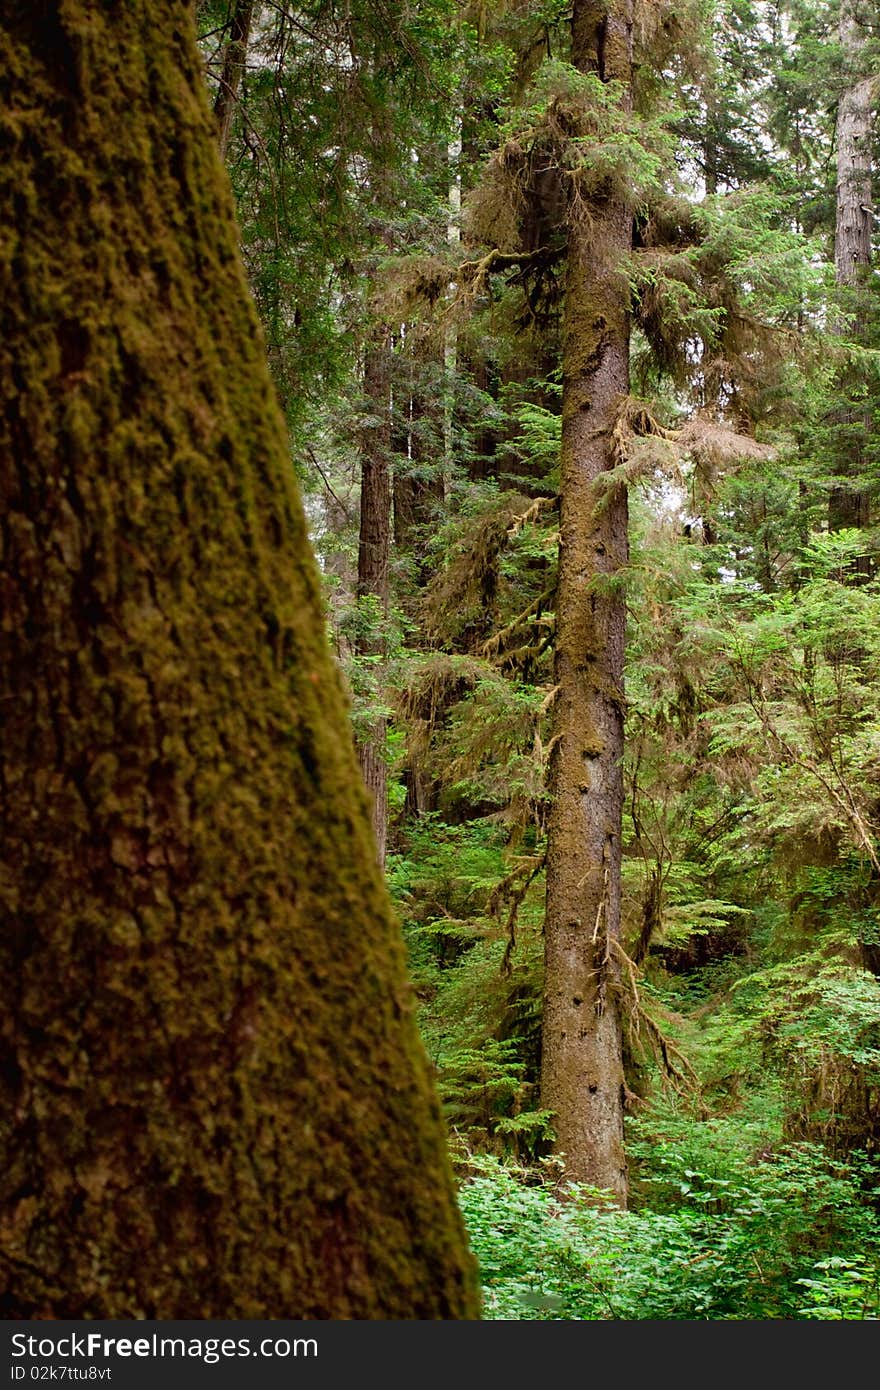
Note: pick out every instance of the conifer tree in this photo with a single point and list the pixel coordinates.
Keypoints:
(582, 1072)
(849, 502)
(215, 1102)
(234, 60)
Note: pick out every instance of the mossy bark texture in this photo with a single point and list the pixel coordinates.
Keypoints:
(214, 1101)
(582, 1071)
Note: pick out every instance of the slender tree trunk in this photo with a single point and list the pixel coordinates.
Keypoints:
(710, 139)
(418, 489)
(418, 429)
(450, 332)
(582, 1071)
(374, 556)
(214, 1100)
(852, 241)
(849, 503)
(404, 488)
(234, 61)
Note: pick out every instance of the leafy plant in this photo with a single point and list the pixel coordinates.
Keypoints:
(743, 1246)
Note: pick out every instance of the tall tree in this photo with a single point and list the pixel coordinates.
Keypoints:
(582, 1071)
(216, 1103)
(374, 558)
(234, 60)
(849, 499)
(852, 241)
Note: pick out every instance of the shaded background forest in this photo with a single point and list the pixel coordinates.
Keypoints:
(396, 173)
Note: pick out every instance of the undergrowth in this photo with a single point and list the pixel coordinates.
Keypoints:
(790, 1238)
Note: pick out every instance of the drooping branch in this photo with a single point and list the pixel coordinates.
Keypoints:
(474, 274)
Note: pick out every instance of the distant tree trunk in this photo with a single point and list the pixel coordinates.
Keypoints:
(450, 333)
(852, 241)
(234, 61)
(849, 503)
(406, 507)
(374, 557)
(215, 1103)
(582, 1070)
(418, 475)
(418, 491)
(710, 137)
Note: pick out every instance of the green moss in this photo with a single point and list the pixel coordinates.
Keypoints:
(215, 1102)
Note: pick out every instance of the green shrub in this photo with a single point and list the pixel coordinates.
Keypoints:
(776, 1239)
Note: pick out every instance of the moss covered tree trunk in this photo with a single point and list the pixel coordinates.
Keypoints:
(214, 1101)
(582, 1072)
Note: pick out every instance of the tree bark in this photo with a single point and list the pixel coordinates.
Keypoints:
(374, 557)
(418, 427)
(582, 1071)
(215, 1103)
(849, 503)
(234, 61)
(852, 240)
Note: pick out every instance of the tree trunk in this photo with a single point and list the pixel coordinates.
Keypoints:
(234, 61)
(450, 332)
(582, 1072)
(215, 1102)
(848, 501)
(374, 555)
(852, 241)
(418, 483)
